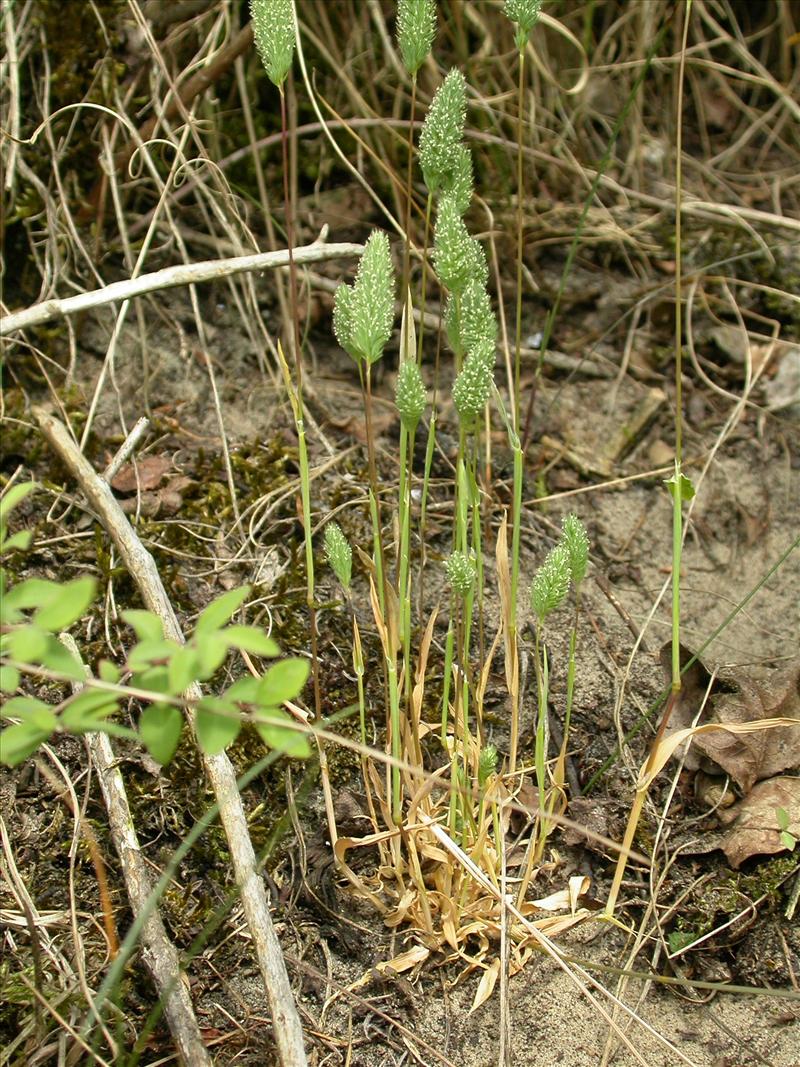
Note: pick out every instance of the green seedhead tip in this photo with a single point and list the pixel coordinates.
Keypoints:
(273, 30)
(526, 14)
(461, 572)
(440, 139)
(339, 553)
(573, 535)
(416, 27)
(551, 582)
(410, 394)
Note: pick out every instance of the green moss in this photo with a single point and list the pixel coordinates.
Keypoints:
(719, 899)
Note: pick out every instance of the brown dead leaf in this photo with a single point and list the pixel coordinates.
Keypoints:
(486, 985)
(145, 474)
(754, 829)
(740, 698)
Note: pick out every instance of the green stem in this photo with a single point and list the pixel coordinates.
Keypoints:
(518, 329)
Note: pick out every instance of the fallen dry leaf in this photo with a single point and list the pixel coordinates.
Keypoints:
(145, 474)
(737, 699)
(753, 822)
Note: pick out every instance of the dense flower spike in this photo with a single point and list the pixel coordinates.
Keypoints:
(416, 27)
(487, 763)
(470, 321)
(526, 14)
(440, 139)
(461, 182)
(577, 544)
(410, 394)
(460, 572)
(273, 30)
(339, 553)
(473, 386)
(551, 582)
(363, 313)
(459, 258)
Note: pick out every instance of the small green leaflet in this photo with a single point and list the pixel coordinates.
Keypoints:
(276, 730)
(220, 610)
(687, 489)
(146, 625)
(217, 724)
(73, 600)
(160, 728)
(284, 681)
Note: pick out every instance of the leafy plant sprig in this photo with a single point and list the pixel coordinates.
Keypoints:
(157, 670)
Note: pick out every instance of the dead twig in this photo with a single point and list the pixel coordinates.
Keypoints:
(160, 955)
(286, 1025)
(169, 278)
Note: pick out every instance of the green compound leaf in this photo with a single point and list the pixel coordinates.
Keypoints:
(30, 709)
(250, 639)
(416, 27)
(153, 679)
(273, 31)
(243, 691)
(88, 711)
(284, 681)
(338, 553)
(20, 741)
(217, 724)
(273, 726)
(160, 728)
(220, 610)
(146, 625)
(65, 609)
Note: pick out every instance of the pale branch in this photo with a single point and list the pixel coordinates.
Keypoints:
(160, 955)
(287, 1030)
(169, 278)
